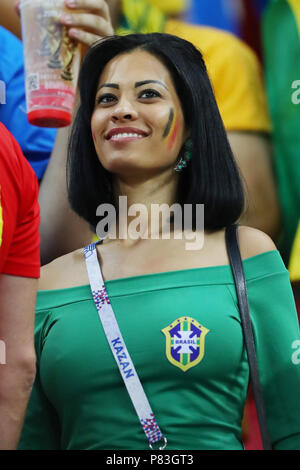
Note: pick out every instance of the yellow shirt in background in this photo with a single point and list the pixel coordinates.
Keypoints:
(170, 6)
(235, 74)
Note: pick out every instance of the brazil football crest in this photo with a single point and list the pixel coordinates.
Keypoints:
(185, 341)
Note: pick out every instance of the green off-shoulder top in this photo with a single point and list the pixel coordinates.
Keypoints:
(196, 383)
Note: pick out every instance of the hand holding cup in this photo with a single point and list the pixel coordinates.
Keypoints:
(87, 20)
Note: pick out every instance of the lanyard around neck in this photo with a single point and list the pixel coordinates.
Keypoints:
(119, 350)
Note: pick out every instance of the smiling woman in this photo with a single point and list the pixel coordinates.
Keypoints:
(137, 125)
(140, 339)
(155, 86)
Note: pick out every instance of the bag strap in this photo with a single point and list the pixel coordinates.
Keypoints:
(231, 237)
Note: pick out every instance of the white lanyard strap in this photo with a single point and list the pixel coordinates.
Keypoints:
(119, 350)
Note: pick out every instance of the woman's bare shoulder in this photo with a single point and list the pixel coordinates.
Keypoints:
(63, 272)
(254, 242)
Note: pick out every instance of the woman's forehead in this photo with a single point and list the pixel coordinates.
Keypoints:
(135, 66)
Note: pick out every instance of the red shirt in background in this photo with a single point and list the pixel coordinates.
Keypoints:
(19, 211)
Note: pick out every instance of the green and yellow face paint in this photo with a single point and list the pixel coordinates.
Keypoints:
(171, 129)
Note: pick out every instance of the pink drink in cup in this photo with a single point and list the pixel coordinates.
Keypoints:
(52, 61)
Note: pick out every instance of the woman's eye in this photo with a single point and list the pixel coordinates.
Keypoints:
(149, 94)
(106, 99)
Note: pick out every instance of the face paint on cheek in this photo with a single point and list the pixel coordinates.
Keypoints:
(173, 134)
(169, 124)
(171, 129)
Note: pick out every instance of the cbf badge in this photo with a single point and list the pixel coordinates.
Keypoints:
(185, 340)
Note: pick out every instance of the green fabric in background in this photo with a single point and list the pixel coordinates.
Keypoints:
(282, 69)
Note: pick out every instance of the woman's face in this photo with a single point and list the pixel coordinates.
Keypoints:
(137, 123)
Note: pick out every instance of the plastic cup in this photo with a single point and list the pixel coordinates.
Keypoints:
(52, 61)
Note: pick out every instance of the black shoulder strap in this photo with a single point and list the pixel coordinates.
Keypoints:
(231, 236)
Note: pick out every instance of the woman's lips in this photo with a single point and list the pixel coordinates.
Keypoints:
(125, 134)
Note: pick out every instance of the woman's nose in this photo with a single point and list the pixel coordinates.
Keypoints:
(124, 112)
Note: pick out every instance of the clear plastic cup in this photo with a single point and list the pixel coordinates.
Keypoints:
(52, 61)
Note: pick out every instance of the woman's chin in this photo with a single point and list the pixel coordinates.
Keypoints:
(126, 166)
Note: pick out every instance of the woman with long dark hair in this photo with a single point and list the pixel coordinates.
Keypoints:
(141, 338)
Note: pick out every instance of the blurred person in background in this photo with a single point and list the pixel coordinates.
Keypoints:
(19, 270)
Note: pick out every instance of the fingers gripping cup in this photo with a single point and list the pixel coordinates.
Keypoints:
(52, 61)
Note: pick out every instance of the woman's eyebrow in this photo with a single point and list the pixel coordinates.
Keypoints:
(109, 85)
(145, 82)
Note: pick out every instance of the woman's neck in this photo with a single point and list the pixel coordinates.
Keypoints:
(144, 207)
